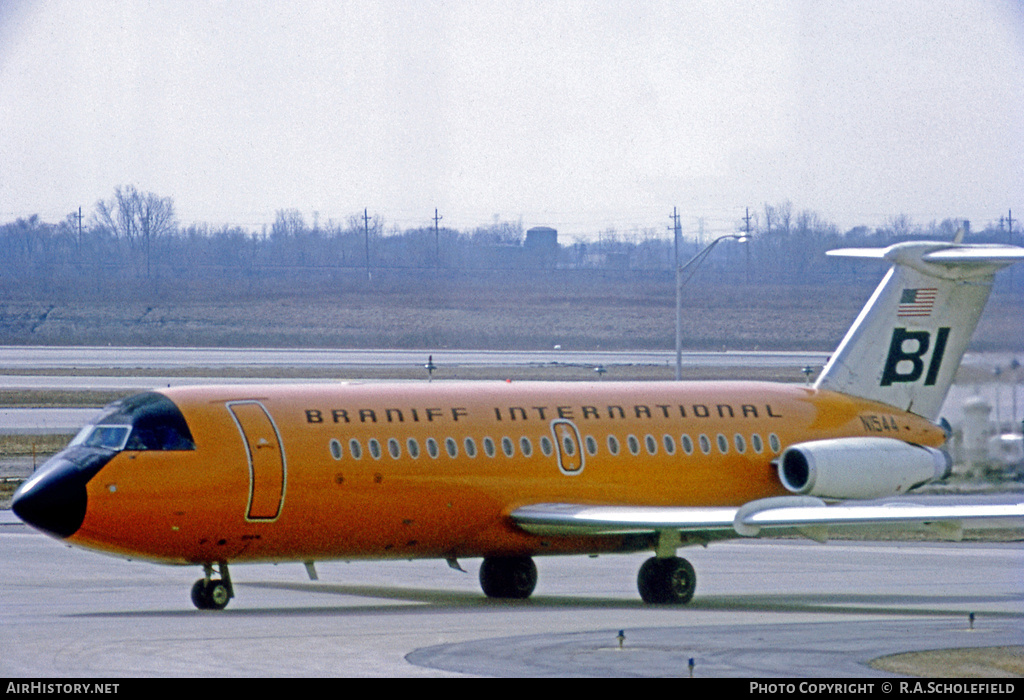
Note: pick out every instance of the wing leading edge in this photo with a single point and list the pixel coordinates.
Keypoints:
(808, 515)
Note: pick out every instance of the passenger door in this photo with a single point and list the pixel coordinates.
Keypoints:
(265, 453)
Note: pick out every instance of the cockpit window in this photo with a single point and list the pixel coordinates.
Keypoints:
(112, 437)
(142, 422)
(159, 437)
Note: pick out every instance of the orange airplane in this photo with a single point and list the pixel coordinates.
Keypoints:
(507, 471)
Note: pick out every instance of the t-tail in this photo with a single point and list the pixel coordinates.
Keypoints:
(907, 343)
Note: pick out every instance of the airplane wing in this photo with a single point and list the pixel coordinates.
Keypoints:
(807, 515)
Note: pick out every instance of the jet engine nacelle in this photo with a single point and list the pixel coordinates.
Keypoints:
(866, 467)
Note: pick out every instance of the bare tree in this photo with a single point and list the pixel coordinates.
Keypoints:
(156, 219)
(136, 217)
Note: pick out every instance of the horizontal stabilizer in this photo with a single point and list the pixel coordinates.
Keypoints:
(993, 255)
(976, 254)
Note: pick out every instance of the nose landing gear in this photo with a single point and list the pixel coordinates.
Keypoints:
(209, 593)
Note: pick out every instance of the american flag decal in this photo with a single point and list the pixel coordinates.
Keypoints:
(916, 303)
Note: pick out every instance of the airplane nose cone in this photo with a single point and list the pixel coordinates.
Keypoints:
(54, 499)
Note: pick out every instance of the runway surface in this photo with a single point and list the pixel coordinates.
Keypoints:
(44, 357)
(772, 608)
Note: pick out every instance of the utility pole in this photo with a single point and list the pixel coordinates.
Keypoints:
(437, 244)
(746, 247)
(677, 235)
(675, 230)
(1009, 239)
(366, 232)
(79, 229)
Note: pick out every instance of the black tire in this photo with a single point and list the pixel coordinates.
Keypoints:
(214, 595)
(199, 595)
(508, 577)
(669, 581)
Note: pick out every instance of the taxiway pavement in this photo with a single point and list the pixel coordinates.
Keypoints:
(770, 608)
(82, 357)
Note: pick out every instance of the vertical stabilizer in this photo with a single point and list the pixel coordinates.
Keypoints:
(906, 344)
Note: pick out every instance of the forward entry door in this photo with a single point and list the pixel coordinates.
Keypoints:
(267, 467)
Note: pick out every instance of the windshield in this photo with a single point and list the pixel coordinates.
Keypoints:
(141, 422)
(112, 437)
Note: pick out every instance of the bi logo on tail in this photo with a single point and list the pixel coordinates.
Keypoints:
(918, 342)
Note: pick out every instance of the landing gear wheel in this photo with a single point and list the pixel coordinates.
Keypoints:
(666, 581)
(508, 577)
(209, 593)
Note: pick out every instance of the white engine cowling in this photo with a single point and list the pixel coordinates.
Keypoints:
(866, 467)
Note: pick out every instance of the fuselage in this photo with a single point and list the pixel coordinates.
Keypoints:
(408, 470)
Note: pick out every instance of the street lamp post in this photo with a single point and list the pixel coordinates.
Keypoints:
(693, 263)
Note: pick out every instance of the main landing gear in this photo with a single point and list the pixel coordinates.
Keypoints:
(666, 580)
(508, 577)
(662, 580)
(209, 593)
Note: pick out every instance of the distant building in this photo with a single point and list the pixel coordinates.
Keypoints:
(541, 247)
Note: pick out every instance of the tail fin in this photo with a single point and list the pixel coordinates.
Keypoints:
(906, 344)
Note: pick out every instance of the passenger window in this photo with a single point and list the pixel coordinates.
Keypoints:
(687, 444)
(613, 445)
(374, 447)
(670, 444)
(545, 446)
(394, 449)
(569, 445)
(355, 449)
(756, 443)
(723, 443)
(470, 447)
(591, 445)
(432, 448)
(451, 447)
(705, 444)
(652, 445)
(774, 442)
(488, 447)
(507, 447)
(525, 446)
(413, 447)
(336, 449)
(741, 444)
(634, 444)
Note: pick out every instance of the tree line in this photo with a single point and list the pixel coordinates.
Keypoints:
(135, 236)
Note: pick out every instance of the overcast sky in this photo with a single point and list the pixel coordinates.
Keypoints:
(580, 115)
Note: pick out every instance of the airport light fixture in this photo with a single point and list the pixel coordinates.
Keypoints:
(692, 264)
